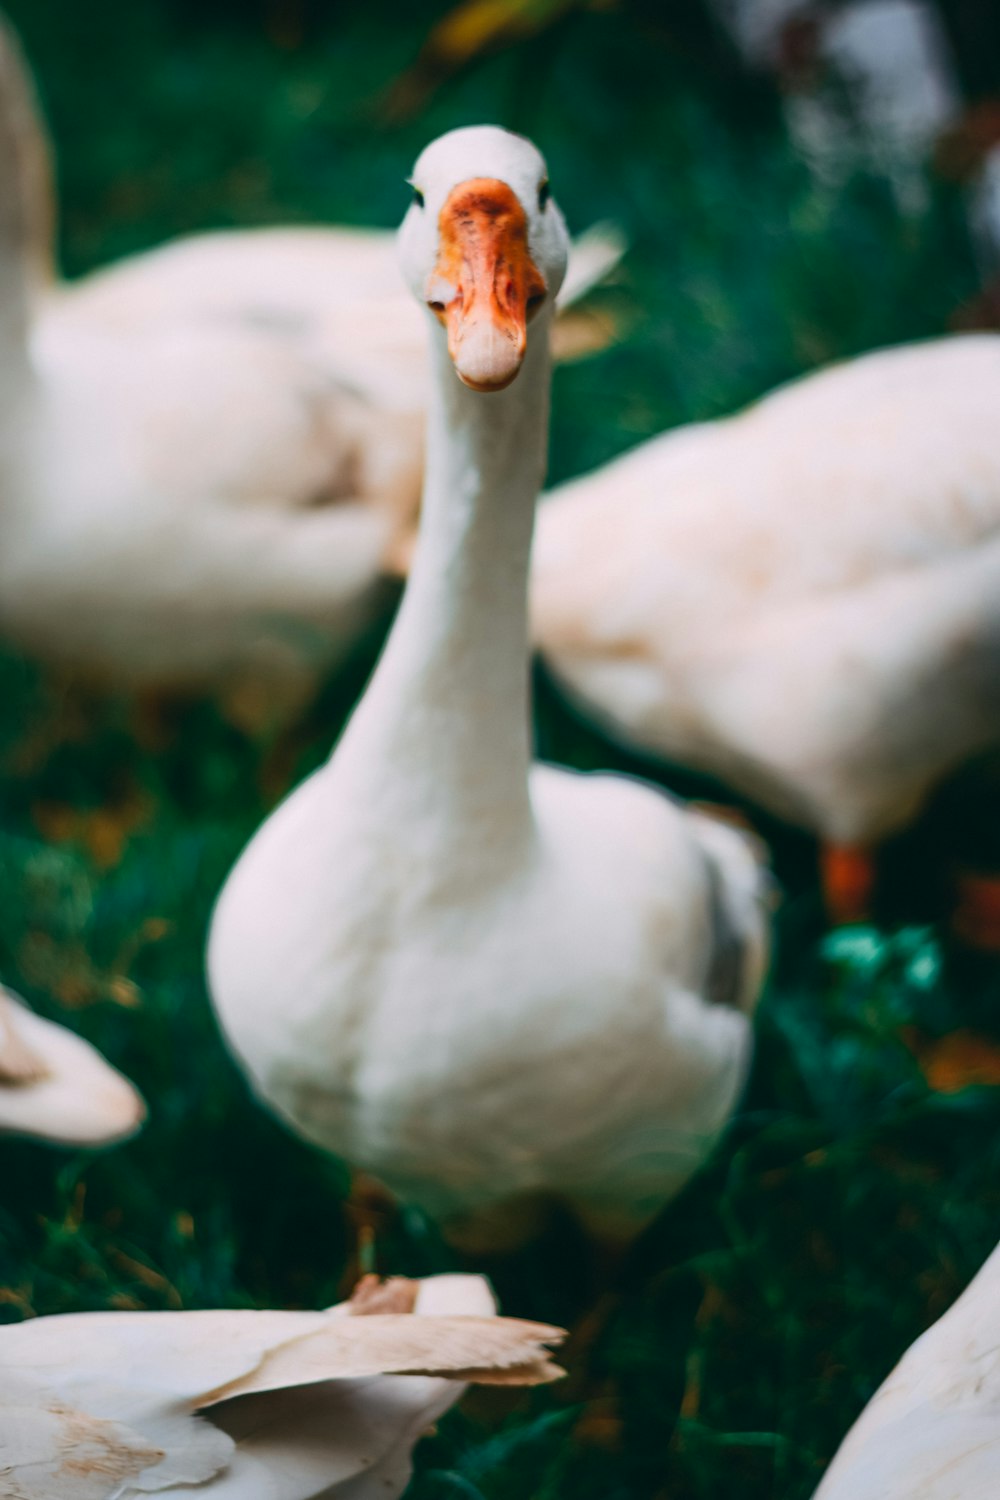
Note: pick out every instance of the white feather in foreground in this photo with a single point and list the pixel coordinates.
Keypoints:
(249, 1405)
(932, 1430)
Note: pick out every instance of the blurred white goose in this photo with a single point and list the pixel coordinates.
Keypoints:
(245, 1405)
(803, 599)
(209, 453)
(56, 1087)
(180, 502)
(480, 979)
(932, 1430)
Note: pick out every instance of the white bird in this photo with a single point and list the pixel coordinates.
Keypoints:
(932, 1430)
(480, 979)
(243, 1405)
(181, 501)
(803, 599)
(56, 1087)
(210, 454)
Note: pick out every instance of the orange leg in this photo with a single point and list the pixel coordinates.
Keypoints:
(370, 1209)
(975, 918)
(847, 873)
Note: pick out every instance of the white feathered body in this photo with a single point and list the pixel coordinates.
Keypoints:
(803, 599)
(202, 474)
(187, 498)
(336, 292)
(480, 1021)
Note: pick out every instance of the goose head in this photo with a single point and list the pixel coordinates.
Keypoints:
(484, 247)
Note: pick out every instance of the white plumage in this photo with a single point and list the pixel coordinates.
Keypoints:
(932, 1430)
(245, 1405)
(803, 599)
(56, 1087)
(477, 978)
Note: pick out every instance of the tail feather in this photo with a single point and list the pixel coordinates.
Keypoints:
(593, 256)
(741, 889)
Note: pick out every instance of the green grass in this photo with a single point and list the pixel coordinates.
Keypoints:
(850, 1201)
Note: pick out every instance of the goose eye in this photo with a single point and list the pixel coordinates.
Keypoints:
(418, 196)
(544, 194)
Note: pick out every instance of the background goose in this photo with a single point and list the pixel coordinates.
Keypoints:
(478, 978)
(250, 1405)
(932, 1430)
(56, 1087)
(165, 516)
(210, 453)
(803, 599)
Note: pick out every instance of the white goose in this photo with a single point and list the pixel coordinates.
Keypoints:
(165, 518)
(803, 599)
(479, 979)
(932, 1430)
(243, 1405)
(56, 1087)
(210, 453)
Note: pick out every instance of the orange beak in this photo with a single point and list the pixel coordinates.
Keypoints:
(485, 282)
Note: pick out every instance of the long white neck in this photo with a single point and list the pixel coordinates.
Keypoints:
(446, 717)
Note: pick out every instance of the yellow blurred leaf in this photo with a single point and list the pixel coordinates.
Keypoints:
(19, 1297)
(468, 31)
(103, 831)
(145, 1274)
(477, 25)
(184, 1224)
(124, 992)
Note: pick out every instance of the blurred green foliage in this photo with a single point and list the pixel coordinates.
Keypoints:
(851, 1200)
